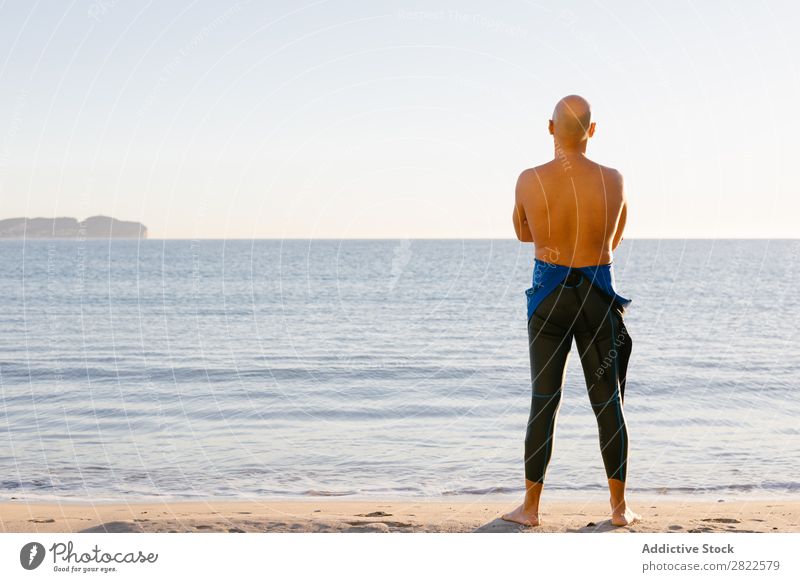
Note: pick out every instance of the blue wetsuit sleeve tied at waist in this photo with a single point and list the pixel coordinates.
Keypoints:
(548, 276)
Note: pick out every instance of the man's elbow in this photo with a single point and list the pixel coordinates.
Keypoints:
(517, 227)
(521, 228)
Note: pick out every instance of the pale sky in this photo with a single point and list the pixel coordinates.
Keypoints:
(354, 119)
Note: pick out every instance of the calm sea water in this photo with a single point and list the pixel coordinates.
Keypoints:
(379, 368)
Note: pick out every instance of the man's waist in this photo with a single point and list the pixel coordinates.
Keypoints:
(578, 266)
(573, 278)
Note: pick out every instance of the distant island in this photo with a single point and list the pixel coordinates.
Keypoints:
(92, 227)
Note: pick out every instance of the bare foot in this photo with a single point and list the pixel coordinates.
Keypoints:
(625, 517)
(529, 517)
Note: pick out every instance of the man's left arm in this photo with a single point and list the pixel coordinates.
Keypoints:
(521, 226)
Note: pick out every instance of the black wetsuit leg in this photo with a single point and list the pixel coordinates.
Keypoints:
(549, 343)
(577, 309)
(604, 347)
(623, 352)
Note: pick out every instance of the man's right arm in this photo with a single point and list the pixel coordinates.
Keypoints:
(623, 216)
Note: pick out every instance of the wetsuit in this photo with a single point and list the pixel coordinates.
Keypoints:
(581, 302)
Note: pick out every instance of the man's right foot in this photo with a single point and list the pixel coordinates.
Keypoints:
(625, 517)
(529, 517)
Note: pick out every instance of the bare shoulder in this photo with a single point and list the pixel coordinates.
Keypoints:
(609, 172)
(613, 178)
(535, 173)
(530, 180)
(538, 174)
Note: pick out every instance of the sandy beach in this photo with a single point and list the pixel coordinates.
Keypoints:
(327, 515)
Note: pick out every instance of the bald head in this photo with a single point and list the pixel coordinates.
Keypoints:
(572, 120)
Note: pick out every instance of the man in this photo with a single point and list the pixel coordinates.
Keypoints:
(574, 211)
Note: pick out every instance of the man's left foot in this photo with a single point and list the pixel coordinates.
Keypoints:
(528, 517)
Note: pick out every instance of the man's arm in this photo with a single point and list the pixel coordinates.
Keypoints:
(521, 226)
(623, 216)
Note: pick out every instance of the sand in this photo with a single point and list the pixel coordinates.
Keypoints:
(336, 515)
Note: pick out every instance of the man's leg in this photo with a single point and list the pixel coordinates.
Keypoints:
(604, 347)
(549, 345)
(549, 352)
(600, 364)
(624, 351)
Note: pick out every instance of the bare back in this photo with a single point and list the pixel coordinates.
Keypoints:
(575, 210)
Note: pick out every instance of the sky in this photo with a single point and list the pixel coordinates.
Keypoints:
(353, 119)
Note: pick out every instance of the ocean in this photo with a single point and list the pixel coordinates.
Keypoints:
(379, 368)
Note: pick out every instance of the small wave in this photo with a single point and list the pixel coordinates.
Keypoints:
(482, 491)
(323, 493)
(734, 487)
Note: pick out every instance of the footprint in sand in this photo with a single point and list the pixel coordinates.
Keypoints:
(43, 520)
(721, 519)
(675, 527)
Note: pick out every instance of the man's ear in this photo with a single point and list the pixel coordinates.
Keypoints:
(550, 127)
(591, 129)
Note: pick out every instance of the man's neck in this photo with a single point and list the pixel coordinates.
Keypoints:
(567, 155)
(569, 149)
